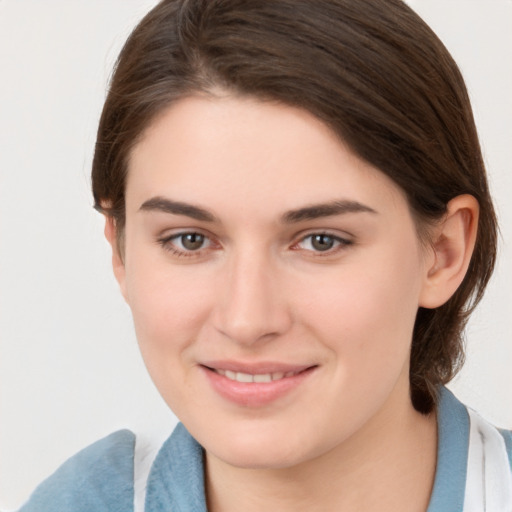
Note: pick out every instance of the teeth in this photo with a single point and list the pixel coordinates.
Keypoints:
(244, 377)
(261, 377)
(266, 377)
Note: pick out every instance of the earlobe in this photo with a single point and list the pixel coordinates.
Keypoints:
(117, 259)
(453, 242)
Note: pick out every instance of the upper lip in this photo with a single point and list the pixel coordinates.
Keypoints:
(256, 368)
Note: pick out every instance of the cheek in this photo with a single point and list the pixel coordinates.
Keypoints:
(169, 310)
(366, 310)
(168, 303)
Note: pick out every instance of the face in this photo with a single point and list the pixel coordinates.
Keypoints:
(273, 277)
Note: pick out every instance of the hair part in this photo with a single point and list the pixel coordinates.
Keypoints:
(373, 71)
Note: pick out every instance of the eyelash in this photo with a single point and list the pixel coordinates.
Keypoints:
(168, 244)
(340, 243)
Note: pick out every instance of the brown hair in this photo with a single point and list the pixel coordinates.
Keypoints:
(370, 69)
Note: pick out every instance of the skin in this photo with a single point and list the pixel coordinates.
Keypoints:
(257, 289)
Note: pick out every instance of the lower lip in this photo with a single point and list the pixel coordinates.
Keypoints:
(254, 394)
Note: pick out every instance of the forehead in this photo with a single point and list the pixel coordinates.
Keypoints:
(244, 151)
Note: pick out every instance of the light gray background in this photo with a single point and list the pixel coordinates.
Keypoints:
(69, 365)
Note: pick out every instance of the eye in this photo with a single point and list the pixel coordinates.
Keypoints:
(322, 242)
(190, 241)
(185, 244)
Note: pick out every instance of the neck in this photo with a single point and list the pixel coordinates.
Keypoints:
(387, 465)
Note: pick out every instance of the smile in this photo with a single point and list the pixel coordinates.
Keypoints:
(255, 385)
(258, 377)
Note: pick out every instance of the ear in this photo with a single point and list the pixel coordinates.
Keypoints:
(453, 241)
(117, 258)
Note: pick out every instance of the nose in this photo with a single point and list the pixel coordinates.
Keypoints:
(251, 305)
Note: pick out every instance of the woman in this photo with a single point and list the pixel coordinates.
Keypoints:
(301, 225)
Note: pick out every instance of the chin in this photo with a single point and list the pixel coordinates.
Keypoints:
(258, 459)
(265, 449)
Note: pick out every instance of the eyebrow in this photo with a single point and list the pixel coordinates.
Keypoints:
(162, 204)
(311, 212)
(316, 211)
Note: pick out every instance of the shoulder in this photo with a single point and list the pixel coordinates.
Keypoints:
(466, 422)
(489, 465)
(507, 438)
(497, 442)
(99, 478)
(176, 478)
(476, 454)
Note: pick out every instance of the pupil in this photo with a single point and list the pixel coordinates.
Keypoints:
(192, 241)
(322, 242)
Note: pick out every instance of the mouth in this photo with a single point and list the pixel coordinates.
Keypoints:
(255, 385)
(255, 377)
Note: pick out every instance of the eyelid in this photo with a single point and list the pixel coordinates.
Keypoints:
(166, 241)
(342, 242)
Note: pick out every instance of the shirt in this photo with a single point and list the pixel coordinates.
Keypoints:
(473, 473)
